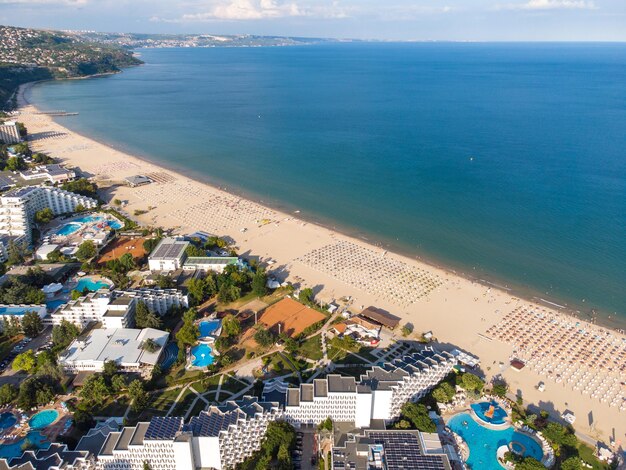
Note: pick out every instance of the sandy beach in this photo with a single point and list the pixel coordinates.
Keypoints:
(492, 324)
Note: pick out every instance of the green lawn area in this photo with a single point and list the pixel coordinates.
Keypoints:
(209, 383)
(116, 407)
(233, 385)
(312, 348)
(184, 403)
(338, 354)
(588, 455)
(197, 408)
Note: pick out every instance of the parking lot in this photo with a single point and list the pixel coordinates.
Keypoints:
(305, 453)
(41, 342)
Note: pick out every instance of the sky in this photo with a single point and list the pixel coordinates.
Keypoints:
(407, 20)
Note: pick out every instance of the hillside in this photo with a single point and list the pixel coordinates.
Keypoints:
(30, 54)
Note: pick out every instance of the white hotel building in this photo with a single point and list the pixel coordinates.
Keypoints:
(218, 438)
(225, 435)
(115, 309)
(379, 394)
(18, 207)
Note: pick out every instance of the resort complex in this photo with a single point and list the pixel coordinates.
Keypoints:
(149, 321)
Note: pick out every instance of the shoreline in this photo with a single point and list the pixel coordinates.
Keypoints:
(603, 318)
(459, 310)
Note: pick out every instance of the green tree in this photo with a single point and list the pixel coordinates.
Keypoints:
(46, 361)
(231, 326)
(117, 202)
(25, 361)
(94, 391)
(228, 293)
(193, 251)
(86, 250)
(264, 337)
(306, 296)
(118, 383)
(44, 216)
(188, 333)
(16, 253)
(32, 324)
(417, 414)
(8, 393)
(572, 463)
(407, 329)
(127, 262)
(197, 289)
(150, 244)
(150, 345)
(529, 463)
(471, 382)
(144, 318)
(500, 389)
(444, 392)
(81, 186)
(64, 333)
(12, 327)
(16, 164)
(109, 369)
(138, 395)
(259, 283)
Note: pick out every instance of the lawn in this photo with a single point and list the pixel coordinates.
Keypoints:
(209, 383)
(184, 403)
(115, 407)
(233, 385)
(197, 408)
(312, 348)
(588, 455)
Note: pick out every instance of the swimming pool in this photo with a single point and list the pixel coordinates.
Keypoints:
(482, 409)
(7, 420)
(18, 310)
(208, 327)
(202, 355)
(43, 418)
(483, 442)
(91, 285)
(169, 356)
(35, 438)
(71, 227)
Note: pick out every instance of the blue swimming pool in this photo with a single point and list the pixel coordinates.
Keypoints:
(208, 327)
(484, 442)
(71, 227)
(18, 310)
(43, 418)
(202, 355)
(91, 285)
(483, 409)
(7, 420)
(35, 438)
(170, 353)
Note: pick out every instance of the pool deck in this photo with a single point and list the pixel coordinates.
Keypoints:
(21, 429)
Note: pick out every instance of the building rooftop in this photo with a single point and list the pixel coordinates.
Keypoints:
(168, 249)
(381, 316)
(389, 450)
(122, 345)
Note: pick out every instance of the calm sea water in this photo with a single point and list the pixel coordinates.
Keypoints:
(504, 160)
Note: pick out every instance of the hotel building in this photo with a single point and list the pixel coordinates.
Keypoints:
(168, 255)
(377, 395)
(10, 133)
(125, 346)
(116, 309)
(18, 207)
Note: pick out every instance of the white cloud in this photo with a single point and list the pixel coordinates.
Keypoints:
(44, 2)
(550, 5)
(246, 10)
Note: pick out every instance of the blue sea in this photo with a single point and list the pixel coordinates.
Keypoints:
(503, 161)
